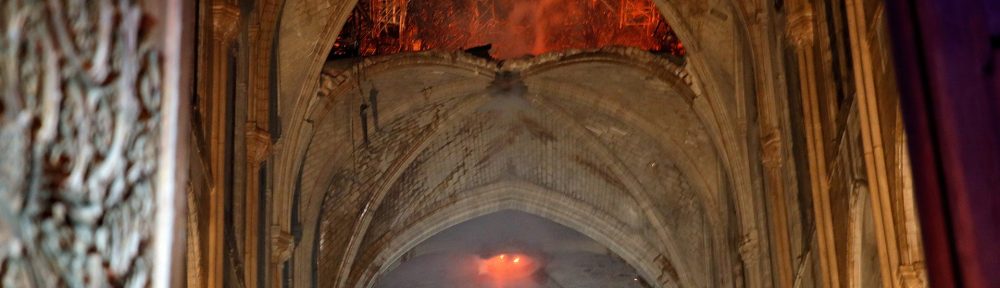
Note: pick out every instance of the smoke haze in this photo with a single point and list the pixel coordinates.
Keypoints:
(461, 256)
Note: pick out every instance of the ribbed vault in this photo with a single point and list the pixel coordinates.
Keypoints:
(605, 142)
(715, 157)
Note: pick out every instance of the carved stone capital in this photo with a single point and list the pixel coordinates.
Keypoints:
(225, 20)
(912, 275)
(258, 144)
(282, 245)
(800, 28)
(749, 248)
(771, 147)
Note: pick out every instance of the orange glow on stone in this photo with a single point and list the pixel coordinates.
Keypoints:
(508, 267)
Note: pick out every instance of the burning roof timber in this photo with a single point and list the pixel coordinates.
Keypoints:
(512, 28)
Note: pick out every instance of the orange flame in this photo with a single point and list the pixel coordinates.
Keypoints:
(513, 27)
(508, 267)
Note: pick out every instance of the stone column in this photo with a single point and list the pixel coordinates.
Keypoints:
(801, 32)
(216, 49)
(773, 122)
(872, 142)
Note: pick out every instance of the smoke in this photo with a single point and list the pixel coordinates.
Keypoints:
(480, 254)
(537, 16)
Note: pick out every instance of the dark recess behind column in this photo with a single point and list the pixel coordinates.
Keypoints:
(228, 233)
(262, 224)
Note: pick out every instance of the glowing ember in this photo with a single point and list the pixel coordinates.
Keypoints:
(508, 267)
(513, 27)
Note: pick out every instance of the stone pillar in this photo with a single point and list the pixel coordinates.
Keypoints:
(774, 124)
(258, 147)
(255, 138)
(872, 142)
(801, 33)
(216, 51)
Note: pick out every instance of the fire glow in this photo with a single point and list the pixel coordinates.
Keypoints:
(508, 267)
(514, 28)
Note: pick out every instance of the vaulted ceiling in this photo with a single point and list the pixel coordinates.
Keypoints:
(652, 159)
(605, 142)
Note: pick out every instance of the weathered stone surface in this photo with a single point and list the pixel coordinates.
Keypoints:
(79, 131)
(454, 137)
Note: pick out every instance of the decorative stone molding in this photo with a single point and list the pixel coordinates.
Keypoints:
(80, 139)
(225, 20)
(913, 275)
(282, 245)
(659, 66)
(258, 144)
(749, 248)
(374, 64)
(799, 27)
(772, 149)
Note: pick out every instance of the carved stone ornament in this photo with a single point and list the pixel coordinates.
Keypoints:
(282, 245)
(773, 156)
(79, 127)
(225, 20)
(749, 247)
(258, 144)
(799, 27)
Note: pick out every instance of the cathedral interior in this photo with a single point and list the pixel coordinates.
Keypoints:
(500, 143)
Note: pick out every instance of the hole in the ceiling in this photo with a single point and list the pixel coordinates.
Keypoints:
(504, 28)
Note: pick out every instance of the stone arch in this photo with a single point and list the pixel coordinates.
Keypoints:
(717, 60)
(580, 57)
(301, 23)
(323, 106)
(532, 199)
(308, 159)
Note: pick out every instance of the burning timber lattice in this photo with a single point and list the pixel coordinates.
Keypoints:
(79, 127)
(510, 28)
